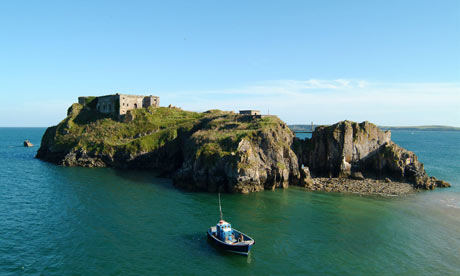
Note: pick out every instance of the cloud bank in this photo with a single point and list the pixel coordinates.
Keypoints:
(294, 101)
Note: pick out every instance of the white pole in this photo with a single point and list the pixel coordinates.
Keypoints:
(220, 208)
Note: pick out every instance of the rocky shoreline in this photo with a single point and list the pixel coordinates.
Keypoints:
(366, 186)
(348, 150)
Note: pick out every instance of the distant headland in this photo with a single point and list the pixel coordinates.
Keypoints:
(302, 127)
(227, 151)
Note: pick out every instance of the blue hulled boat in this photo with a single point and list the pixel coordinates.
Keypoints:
(230, 239)
(227, 238)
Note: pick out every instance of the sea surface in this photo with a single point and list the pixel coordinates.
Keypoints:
(80, 221)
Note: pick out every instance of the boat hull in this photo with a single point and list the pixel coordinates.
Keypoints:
(240, 248)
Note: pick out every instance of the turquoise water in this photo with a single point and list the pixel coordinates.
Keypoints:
(79, 221)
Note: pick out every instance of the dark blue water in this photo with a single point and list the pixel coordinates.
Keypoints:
(79, 221)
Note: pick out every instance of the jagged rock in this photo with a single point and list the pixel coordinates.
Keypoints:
(340, 149)
(82, 159)
(333, 151)
(399, 163)
(442, 183)
(305, 178)
(27, 143)
(357, 176)
(265, 161)
(129, 117)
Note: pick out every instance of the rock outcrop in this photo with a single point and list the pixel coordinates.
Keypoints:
(358, 151)
(211, 151)
(335, 151)
(263, 161)
(28, 144)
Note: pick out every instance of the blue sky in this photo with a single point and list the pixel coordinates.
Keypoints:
(389, 62)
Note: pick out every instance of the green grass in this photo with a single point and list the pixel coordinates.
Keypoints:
(223, 133)
(216, 133)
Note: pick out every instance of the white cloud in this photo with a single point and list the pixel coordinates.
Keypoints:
(329, 101)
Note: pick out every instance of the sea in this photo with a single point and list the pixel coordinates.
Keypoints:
(56, 220)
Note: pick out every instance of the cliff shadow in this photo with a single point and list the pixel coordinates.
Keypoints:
(87, 116)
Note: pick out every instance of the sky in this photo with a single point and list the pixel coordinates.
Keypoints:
(388, 62)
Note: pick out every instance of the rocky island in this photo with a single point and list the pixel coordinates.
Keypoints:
(224, 151)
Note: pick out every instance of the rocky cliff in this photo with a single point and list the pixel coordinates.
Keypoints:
(349, 149)
(208, 151)
(262, 160)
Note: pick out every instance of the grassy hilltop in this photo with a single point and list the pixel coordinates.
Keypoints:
(147, 129)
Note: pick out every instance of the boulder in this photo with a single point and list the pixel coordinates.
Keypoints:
(357, 176)
(442, 183)
(305, 178)
(27, 143)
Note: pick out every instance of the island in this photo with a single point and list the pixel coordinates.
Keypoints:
(230, 152)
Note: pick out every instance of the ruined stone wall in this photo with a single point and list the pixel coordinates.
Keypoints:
(151, 101)
(82, 100)
(128, 102)
(119, 104)
(107, 104)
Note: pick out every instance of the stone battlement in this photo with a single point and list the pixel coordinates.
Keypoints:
(120, 104)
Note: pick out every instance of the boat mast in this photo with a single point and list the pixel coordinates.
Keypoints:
(220, 208)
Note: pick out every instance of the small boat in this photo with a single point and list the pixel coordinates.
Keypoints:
(228, 238)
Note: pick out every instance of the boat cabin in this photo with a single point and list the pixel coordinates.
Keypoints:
(224, 231)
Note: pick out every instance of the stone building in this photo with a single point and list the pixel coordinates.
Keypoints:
(120, 104)
(250, 112)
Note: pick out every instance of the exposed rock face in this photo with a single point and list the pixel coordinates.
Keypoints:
(305, 178)
(398, 163)
(346, 148)
(264, 161)
(334, 150)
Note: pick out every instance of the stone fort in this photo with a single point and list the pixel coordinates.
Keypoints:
(120, 104)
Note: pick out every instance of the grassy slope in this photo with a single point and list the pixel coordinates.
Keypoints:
(216, 133)
(222, 134)
(97, 133)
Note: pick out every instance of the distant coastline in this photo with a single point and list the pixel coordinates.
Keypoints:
(298, 127)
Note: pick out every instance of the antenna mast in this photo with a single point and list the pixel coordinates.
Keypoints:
(220, 208)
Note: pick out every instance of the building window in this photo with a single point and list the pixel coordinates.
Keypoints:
(135, 105)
